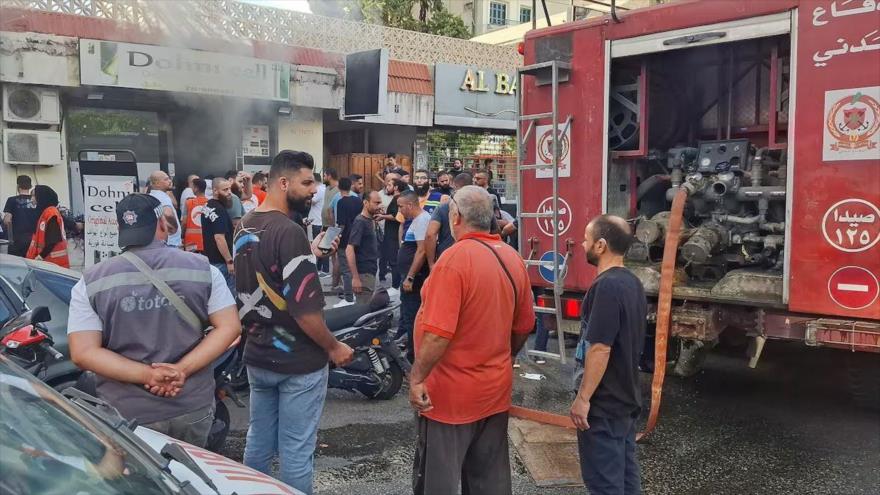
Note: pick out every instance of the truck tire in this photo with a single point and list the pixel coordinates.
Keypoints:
(862, 369)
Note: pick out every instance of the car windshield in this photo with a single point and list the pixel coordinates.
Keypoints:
(50, 446)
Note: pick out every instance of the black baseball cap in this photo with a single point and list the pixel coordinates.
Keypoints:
(137, 215)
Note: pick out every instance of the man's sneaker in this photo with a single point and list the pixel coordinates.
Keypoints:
(343, 303)
(324, 274)
(516, 364)
(539, 360)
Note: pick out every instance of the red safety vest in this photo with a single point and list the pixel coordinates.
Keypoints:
(58, 255)
(192, 235)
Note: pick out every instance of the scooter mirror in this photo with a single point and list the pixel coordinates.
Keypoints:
(40, 314)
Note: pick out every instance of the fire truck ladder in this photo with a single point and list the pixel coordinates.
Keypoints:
(552, 72)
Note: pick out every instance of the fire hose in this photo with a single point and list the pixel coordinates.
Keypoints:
(664, 308)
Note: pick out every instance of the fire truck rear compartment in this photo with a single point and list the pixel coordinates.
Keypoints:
(711, 119)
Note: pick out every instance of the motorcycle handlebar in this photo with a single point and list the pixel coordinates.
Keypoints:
(52, 351)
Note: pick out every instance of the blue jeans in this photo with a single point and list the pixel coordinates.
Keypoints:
(230, 279)
(285, 411)
(608, 456)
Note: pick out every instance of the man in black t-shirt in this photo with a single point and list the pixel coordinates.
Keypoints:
(347, 209)
(362, 252)
(20, 217)
(391, 237)
(288, 343)
(217, 230)
(612, 336)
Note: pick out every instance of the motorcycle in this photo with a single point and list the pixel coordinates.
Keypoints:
(28, 344)
(378, 367)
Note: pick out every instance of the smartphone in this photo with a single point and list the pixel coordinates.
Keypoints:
(329, 236)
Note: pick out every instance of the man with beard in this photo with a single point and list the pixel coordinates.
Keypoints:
(160, 187)
(236, 209)
(443, 183)
(217, 230)
(428, 199)
(386, 194)
(456, 168)
(613, 331)
(288, 343)
(362, 252)
(438, 237)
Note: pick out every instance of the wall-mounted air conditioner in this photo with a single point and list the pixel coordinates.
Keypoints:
(27, 147)
(30, 104)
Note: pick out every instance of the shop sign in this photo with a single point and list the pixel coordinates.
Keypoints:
(255, 141)
(470, 96)
(161, 68)
(102, 192)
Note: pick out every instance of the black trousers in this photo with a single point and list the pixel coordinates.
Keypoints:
(608, 456)
(388, 259)
(473, 455)
(19, 247)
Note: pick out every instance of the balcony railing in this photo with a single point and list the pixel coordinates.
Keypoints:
(227, 19)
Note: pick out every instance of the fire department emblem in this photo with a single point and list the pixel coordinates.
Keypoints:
(129, 217)
(544, 151)
(852, 122)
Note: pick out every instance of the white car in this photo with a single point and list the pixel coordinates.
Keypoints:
(52, 444)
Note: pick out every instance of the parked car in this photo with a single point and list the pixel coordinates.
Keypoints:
(76, 443)
(27, 284)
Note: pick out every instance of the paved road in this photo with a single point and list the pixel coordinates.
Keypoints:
(786, 427)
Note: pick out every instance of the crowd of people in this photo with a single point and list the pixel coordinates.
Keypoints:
(245, 256)
(33, 224)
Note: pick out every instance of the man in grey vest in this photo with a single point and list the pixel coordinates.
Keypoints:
(136, 320)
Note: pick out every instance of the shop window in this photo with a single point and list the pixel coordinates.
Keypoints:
(475, 150)
(498, 14)
(106, 129)
(525, 14)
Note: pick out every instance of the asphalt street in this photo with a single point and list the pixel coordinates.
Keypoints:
(786, 427)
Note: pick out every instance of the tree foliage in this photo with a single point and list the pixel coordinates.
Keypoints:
(432, 17)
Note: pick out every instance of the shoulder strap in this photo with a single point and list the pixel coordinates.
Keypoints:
(185, 312)
(506, 271)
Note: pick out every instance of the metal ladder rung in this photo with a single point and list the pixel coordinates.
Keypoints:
(545, 354)
(528, 69)
(536, 116)
(544, 310)
(548, 264)
(537, 166)
(536, 215)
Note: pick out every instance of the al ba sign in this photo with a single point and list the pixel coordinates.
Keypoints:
(469, 96)
(160, 68)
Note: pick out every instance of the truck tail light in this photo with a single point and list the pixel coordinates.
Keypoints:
(521, 48)
(571, 307)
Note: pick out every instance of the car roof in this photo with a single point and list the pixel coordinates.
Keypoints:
(45, 266)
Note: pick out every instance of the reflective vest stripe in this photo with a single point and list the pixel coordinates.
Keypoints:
(138, 278)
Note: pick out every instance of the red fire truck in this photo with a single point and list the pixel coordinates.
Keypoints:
(767, 115)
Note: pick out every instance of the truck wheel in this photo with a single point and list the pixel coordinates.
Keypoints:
(863, 368)
(691, 356)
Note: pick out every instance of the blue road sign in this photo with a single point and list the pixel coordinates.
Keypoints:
(547, 271)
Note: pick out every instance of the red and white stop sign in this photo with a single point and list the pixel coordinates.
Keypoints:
(853, 287)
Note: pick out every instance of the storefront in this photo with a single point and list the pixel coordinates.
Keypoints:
(474, 121)
(178, 110)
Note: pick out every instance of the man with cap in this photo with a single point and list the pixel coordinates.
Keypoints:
(137, 321)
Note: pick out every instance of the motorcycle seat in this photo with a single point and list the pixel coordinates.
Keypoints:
(346, 316)
(339, 318)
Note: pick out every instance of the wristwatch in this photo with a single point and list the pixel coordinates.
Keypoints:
(409, 279)
(228, 262)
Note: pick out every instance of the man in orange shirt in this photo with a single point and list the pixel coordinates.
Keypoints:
(462, 377)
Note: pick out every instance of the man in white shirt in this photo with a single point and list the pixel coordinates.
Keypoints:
(317, 224)
(160, 185)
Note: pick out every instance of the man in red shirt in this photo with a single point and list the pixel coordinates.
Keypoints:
(462, 377)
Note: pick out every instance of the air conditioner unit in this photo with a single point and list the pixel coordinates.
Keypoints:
(30, 104)
(26, 147)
